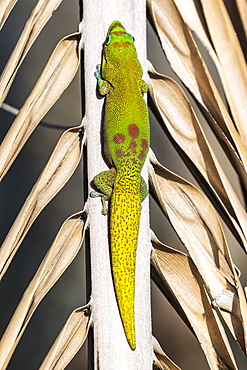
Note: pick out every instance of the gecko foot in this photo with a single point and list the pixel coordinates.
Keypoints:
(94, 194)
(97, 73)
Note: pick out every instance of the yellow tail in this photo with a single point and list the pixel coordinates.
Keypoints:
(124, 229)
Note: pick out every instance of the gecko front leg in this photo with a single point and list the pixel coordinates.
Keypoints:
(103, 86)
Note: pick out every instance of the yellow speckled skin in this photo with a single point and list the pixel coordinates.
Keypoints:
(127, 142)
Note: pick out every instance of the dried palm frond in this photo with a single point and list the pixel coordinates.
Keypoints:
(202, 283)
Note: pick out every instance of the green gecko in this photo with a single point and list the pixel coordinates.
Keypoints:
(126, 131)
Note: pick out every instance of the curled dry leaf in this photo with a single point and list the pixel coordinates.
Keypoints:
(193, 16)
(186, 61)
(57, 172)
(70, 339)
(216, 32)
(57, 75)
(61, 253)
(176, 115)
(197, 225)
(242, 8)
(231, 59)
(177, 276)
(161, 360)
(5, 8)
(37, 20)
(10, 109)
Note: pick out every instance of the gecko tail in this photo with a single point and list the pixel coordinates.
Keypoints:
(124, 229)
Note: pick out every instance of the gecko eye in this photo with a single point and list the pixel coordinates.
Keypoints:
(109, 37)
(132, 37)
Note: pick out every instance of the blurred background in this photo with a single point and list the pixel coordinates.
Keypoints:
(69, 292)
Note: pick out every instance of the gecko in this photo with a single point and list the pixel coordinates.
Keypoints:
(126, 144)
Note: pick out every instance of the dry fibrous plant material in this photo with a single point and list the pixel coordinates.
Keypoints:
(57, 75)
(202, 285)
(70, 339)
(197, 225)
(60, 255)
(60, 167)
(34, 25)
(177, 276)
(191, 212)
(177, 116)
(185, 59)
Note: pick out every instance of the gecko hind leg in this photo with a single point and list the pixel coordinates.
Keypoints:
(104, 182)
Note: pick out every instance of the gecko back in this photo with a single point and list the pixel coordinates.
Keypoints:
(127, 140)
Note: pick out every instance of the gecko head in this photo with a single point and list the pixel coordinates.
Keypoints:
(116, 26)
(119, 55)
(118, 41)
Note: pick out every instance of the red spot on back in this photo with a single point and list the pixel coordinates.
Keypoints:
(119, 138)
(144, 143)
(133, 145)
(141, 156)
(133, 130)
(119, 153)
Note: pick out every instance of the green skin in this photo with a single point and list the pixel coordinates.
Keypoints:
(126, 129)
